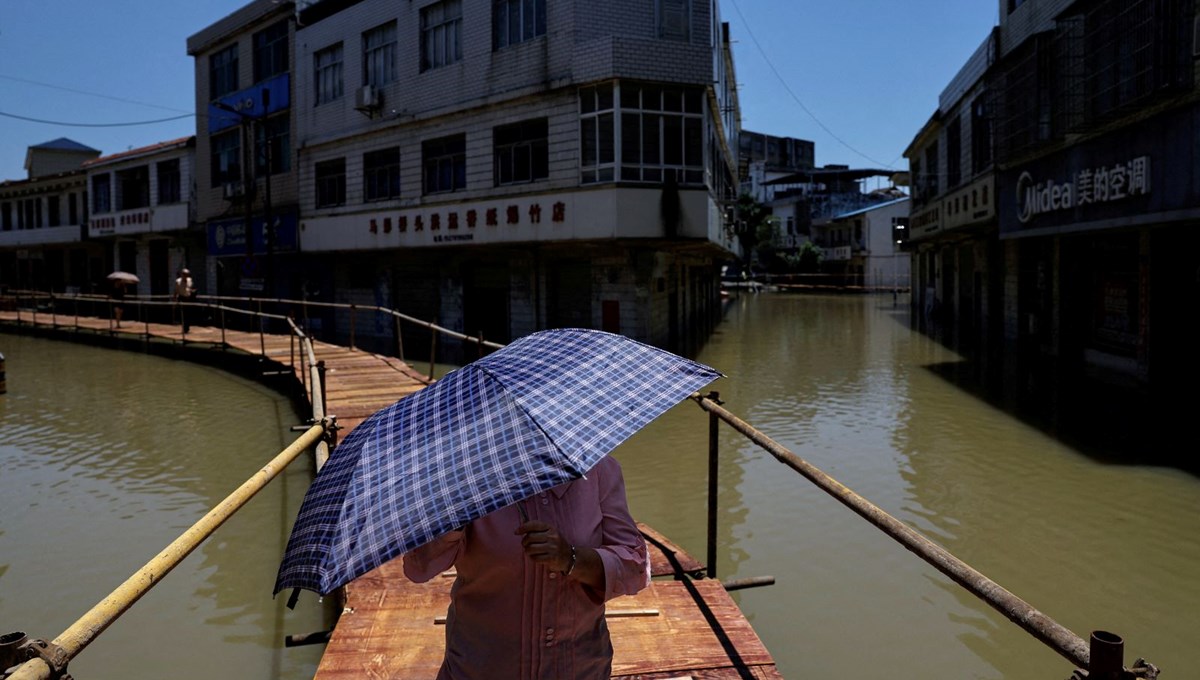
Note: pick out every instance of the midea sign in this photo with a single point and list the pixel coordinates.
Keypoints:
(1093, 185)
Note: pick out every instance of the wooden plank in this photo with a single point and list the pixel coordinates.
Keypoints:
(667, 558)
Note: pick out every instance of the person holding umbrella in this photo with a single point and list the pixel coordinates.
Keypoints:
(533, 578)
(501, 469)
(185, 292)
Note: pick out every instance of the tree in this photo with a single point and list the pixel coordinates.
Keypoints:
(751, 216)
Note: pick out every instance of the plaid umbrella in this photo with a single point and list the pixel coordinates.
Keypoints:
(538, 413)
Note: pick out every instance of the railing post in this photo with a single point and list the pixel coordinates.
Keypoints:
(76, 300)
(18, 297)
(1107, 656)
(321, 375)
(292, 351)
(53, 312)
(432, 347)
(714, 425)
(223, 343)
(262, 336)
(479, 346)
(352, 319)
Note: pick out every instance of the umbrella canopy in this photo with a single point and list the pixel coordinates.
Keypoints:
(123, 276)
(538, 413)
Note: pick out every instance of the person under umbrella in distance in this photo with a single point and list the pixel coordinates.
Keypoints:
(533, 579)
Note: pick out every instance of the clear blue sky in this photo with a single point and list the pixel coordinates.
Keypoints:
(857, 77)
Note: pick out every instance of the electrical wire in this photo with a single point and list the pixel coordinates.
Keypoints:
(788, 89)
(91, 94)
(95, 125)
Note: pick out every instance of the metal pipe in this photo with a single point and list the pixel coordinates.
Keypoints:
(82, 632)
(352, 324)
(713, 441)
(1069, 645)
(1108, 656)
(749, 582)
(432, 349)
(399, 340)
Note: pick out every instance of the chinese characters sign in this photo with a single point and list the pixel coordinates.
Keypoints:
(1103, 184)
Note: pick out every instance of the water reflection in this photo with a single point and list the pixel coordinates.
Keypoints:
(845, 384)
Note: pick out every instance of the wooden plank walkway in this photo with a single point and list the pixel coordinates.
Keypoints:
(682, 626)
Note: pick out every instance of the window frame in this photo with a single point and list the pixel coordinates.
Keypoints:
(444, 164)
(101, 193)
(663, 19)
(170, 181)
(225, 160)
(441, 34)
(381, 174)
(223, 72)
(530, 22)
(329, 77)
(330, 182)
(524, 143)
(269, 132)
(379, 58)
(270, 48)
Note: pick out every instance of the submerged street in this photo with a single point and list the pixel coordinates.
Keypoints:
(110, 454)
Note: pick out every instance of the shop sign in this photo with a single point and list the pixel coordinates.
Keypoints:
(457, 225)
(1094, 185)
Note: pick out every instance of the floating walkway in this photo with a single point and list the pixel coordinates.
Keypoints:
(683, 626)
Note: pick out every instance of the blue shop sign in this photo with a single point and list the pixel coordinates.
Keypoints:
(249, 103)
(228, 237)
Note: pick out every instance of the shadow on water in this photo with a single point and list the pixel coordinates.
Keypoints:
(1108, 422)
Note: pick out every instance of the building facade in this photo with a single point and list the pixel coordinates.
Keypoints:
(142, 213)
(246, 197)
(504, 166)
(1089, 249)
(43, 222)
(863, 247)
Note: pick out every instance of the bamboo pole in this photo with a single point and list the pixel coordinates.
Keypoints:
(81, 633)
(1066, 643)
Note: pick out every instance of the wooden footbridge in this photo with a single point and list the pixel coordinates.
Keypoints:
(685, 625)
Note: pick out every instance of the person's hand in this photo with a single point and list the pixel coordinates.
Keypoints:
(544, 545)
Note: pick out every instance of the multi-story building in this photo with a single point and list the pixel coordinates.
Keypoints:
(1093, 109)
(142, 215)
(502, 166)
(957, 265)
(245, 150)
(862, 247)
(762, 158)
(42, 222)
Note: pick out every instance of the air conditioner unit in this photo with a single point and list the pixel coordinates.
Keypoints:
(368, 98)
(231, 190)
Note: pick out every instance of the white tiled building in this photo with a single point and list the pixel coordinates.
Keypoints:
(508, 165)
(141, 212)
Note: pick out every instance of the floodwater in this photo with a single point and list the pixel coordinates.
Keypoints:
(107, 457)
(845, 384)
(110, 455)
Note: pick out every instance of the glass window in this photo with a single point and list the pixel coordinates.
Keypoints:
(379, 55)
(133, 188)
(223, 72)
(444, 162)
(271, 51)
(226, 165)
(327, 73)
(521, 153)
(597, 153)
(381, 174)
(662, 130)
(331, 182)
(272, 140)
(169, 189)
(53, 211)
(515, 21)
(674, 17)
(441, 33)
(102, 193)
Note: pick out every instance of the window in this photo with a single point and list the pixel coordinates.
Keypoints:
(954, 153)
(1013, 4)
(379, 55)
(981, 136)
(226, 151)
(102, 193)
(331, 183)
(381, 174)
(223, 72)
(598, 156)
(515, 21)
(53, 211)
(72, 210)
(521, 152)
(444, 161)
(271, 138)
(271, 51)
(674, 17)
(169, 190)
(6, 218)
(133, 188)
(662, 130)
(441, 28)
(327, 72)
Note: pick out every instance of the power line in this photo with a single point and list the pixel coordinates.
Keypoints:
(90, 94)
(95, 125)
(788, 89)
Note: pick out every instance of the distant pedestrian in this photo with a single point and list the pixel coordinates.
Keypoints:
(185, 293)
(118, 300)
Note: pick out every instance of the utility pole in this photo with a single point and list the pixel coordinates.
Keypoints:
(250, 183)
